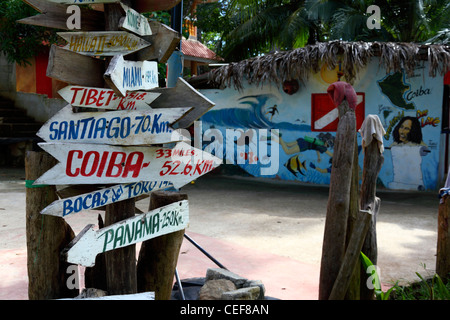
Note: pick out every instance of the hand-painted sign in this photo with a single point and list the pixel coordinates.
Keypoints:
(106, 98)
(124, 76)
(100, 198)
(114, 127)
(103, 43)
(135, 22)
(89, 242)
(107, 164)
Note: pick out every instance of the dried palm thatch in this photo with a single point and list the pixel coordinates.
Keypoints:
(300, 63)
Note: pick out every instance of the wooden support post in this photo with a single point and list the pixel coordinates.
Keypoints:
(351, 257)
(443, 239)
(120, 263)
(373, 160)
(158, 257)
(338, 202)
(46, 236)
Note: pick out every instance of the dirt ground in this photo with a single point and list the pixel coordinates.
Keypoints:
(277, 217)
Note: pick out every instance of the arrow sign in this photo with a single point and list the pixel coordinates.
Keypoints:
(89, 242)
(114, 127)
(103, 43)
(107, 164)
(124, 76)
(135, 22)
(183, 95)
(55, 16)
(103, 98)
(100, 198)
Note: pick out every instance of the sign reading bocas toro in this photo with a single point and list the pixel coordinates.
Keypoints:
(103, 98)
(103, 43)
(100, 198)
(107, 164)
(89, 242)
(123, 76)
(114, 127)
(135, 22)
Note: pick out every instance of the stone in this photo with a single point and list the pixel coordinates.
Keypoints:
(213, 289)
(256, 283)
(91, 293)
(219, 273)
(249, 293)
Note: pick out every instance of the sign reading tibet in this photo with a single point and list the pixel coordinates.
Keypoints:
(114, 127)
(89, 242)
(106, 98)
(107, 164)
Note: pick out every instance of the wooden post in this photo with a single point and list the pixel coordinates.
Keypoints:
(373, 160)
(443, 239)
(158, 257)
(338, 202)
(121, 263)
(46, 236)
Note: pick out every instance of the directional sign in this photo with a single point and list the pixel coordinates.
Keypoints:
(106, 98)
(106, 164)
(183, 95)
(89, 243)
(55, 16)
(114, 127)
(103, 43)
(124, 76)
(135, 22)
(100, 198)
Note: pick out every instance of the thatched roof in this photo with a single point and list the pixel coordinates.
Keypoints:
(299, 63)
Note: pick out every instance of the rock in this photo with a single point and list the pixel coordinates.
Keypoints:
(256, 283)
(91, 293)
(249, 293)
(213, 289)
(218, 273)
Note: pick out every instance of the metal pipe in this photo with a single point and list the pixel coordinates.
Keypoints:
(204, 252)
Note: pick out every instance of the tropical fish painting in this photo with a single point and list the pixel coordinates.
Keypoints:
(295, 166)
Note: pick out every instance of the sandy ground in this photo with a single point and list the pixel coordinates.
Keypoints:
(281, 218)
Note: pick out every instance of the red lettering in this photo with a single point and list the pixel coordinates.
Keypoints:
(69, 163)
(75, 93)
(90, 99)
(100, 98)
(111, 94)
(135, 166)
(113, 164)
(85, 163)
(102, 163)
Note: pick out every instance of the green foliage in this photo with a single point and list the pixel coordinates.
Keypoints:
(379, 294)
(20, 42)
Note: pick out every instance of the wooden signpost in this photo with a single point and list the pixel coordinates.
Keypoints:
(112, 147)
(89, 242)
(123, 76)
(135, 22)
(103, 43)
(100, 198)
(103, 164)
(103, 98)
(115, 127)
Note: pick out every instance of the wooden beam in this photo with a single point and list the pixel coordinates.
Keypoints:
(74, 68)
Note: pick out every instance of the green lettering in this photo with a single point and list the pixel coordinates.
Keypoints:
(118, 237)
(108, 234)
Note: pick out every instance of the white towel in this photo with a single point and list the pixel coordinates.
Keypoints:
(371, 129)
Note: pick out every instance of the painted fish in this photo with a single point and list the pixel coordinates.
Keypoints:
(295, 166)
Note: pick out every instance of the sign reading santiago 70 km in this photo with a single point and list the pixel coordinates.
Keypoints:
(114, 127)
(99, 164)
(89, 242)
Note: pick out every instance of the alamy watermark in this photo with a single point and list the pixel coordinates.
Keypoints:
(373, 22)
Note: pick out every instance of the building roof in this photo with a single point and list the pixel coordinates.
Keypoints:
(197, 51)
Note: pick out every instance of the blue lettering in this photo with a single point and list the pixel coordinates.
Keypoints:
(125, 127)
(62, 130)
(115, 130)
(67, 207)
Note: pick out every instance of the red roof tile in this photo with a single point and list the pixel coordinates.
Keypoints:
(194, 48)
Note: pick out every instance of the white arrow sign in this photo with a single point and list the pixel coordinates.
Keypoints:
(89, 242)
(106, 98)
(124, 76)
(113, 127)
(135, 22)
(100, 198)
(103, 43)
(106, 164)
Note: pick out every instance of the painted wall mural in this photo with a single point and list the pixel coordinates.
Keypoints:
(306, 120)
